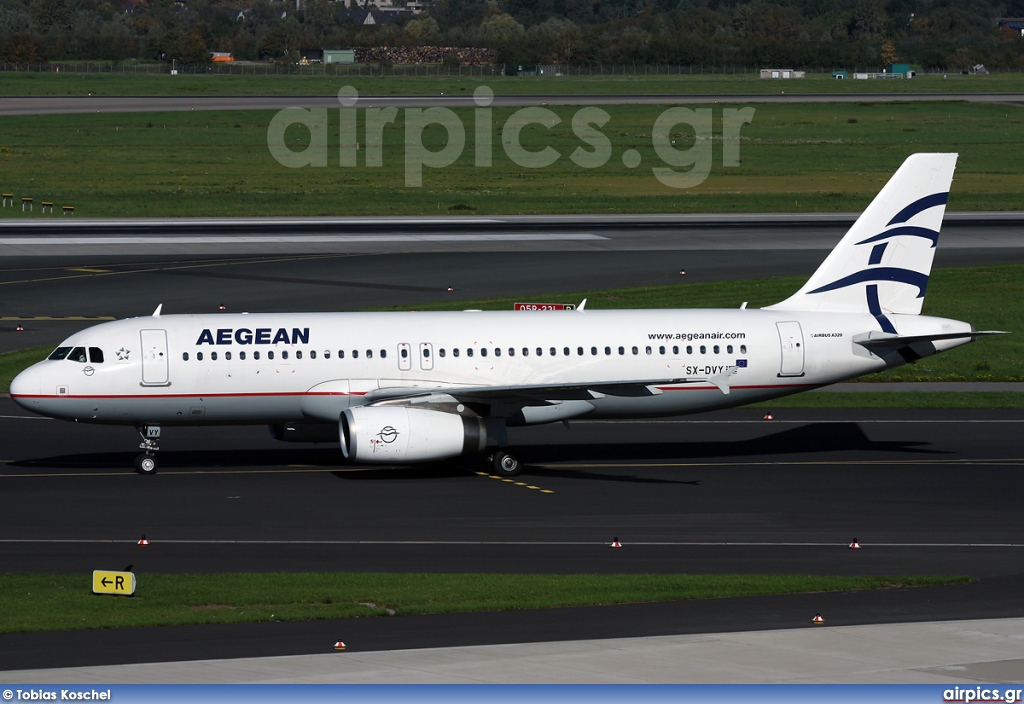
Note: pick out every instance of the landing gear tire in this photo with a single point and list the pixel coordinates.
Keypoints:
(145, 464)
(506, 464)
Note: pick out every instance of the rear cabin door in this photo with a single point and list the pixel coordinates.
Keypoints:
(791, 338)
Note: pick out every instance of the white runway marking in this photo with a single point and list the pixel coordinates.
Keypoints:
(535, 543)
(301, 239)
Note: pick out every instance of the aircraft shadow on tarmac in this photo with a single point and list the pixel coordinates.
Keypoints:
(824, 438)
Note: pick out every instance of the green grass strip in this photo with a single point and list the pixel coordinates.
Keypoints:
(370, 80)
(53, 602)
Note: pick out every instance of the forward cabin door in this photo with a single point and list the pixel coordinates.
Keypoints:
(791, 338)
(154, 358)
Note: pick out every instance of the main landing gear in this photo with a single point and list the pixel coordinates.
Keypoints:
(145, 463)
(506, 464)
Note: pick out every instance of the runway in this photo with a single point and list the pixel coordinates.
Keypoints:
(30, 105)
(925, 492)
(53, 285)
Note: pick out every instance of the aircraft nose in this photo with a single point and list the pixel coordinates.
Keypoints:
(24, 387)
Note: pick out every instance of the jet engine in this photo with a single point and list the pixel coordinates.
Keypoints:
(385, 434)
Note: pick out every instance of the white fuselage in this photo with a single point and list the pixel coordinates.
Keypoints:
(310, 367)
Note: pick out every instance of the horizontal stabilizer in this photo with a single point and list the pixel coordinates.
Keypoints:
(881, 339)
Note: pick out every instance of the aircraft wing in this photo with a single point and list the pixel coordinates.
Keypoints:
(539, 393)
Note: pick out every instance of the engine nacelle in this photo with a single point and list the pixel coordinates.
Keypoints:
(398, 434)
(304, 432)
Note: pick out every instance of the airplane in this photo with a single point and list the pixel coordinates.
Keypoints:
(405, 387)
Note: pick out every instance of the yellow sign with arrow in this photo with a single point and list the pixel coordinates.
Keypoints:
(121, 583)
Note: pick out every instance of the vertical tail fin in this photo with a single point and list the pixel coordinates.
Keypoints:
(882, 264)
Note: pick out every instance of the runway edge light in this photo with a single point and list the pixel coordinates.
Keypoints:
(340, 645)
(817, 619)
(855, 545)
(616, 543)
(143, 541)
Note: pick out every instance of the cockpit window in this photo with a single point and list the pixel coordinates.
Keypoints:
(96, 355)
(78, 355)
(59, 353)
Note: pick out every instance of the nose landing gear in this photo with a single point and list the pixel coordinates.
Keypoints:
(145, 463)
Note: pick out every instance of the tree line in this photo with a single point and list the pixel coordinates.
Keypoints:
(853, 34)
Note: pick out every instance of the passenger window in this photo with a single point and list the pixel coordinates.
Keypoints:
(689, 349)
(405, 353)
(469, 351)
(327, 354)
(284, 354)
(96, 355)
(607, 350)
(383, 354)
(199, 356)
(227, 355)
(483, 351)
(743, 349)
(648, 350)
(497, 351)
(355, 354)
(312, 354)
(59, 353)
(298, 354)
(369, 354)
(728, 349)
(636, 350)
(441, 351)
(511, 351)
(78, 355)
(703, 349)
(579, 351)
(565, 351)
(184, 356)
(213, 356)
(661, 350)
(241, 355)
(553, 351)
(540, 351)
(593, 351)
(622, 350)
(256, 355)
(716, 348)
(526, 351)
(455, 352)
(675, 349)
(270, 354)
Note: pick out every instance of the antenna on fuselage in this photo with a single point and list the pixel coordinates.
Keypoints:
(582, 305)
(156, 313)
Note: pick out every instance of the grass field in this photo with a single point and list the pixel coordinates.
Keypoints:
(792, 158)
(368, 80)
(51, 602)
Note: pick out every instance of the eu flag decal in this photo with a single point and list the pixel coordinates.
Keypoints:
(741, 363)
